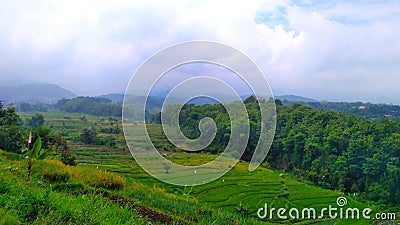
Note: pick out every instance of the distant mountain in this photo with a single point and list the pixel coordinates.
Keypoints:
(115, 98)
(295, 98)
(157, 100)
(33, 93)
(159, 97)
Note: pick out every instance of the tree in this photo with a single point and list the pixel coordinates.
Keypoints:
(9, 117)
(11, 138)
(112, 120)
(35, 121)
(89, 136)
(278, 102)
(46, 135)
(83, 119)
(393, 184)
(36, 153)
(251, 99)
(11, 133)
(66, 157)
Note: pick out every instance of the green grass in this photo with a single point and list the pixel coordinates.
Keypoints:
(80, 200)
(239, 190)
(24, 201)
(70, 124)
(235, 197)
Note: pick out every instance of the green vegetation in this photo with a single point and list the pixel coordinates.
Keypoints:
(11, 132)
(85, 195)
(36, 153)
(38, 107)
(45, 201)
(90, 105)
(333, 150)
(238, 192)
(366, 110)
(35, 121)
(355, 157)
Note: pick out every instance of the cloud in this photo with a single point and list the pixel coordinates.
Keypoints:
(336, 51)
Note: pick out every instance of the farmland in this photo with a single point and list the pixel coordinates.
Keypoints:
(238, 192)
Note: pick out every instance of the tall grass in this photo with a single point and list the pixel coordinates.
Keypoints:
(54, 171)
(23, 202)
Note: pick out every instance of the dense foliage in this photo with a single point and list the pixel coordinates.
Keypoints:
(11, 132)
(367, 110)
(90, 105)
(331, 149)
(14, 134)
(91, 137)
(38, 107)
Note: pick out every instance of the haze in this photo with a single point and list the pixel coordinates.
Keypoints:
(347, 50)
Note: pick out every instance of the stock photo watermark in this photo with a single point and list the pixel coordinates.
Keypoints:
(338, 211)
(156, 69)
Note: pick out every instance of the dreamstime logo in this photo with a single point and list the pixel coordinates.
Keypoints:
(175, 68)
(333, 212)
(341, 201)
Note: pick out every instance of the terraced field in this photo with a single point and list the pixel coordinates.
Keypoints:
(239, 191)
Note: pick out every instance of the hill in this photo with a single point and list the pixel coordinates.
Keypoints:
(237, 195)
(90, 105)
(114, 97)
(33, 93)
(366, 110)
(239, 192)
(59, 194)
(294, 98)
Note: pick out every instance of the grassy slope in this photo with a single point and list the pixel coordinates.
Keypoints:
(238, 191)
(59, 194)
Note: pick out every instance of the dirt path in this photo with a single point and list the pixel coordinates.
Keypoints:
(142, 211)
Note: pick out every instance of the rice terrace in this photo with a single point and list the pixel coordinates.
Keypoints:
(200, 112)
(107, 179)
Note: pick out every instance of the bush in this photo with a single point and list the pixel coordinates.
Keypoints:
(56, 176)
(69, 187)
(56, 172)
(99, 178)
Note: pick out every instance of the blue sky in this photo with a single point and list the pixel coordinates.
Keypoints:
(328, 50)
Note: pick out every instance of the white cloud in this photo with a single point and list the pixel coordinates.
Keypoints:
(337, 51)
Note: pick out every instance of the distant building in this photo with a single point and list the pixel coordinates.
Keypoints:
(361, 107)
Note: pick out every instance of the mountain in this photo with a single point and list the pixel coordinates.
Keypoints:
(295, 98)
(33, 93)
(115, 98)
(160, 96)
(157, 100)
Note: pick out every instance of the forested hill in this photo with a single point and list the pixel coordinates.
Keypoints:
(33, 93)
(90, 105)
(331, 149)
(366, 110)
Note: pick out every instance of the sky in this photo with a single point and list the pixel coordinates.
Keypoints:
(327, 50)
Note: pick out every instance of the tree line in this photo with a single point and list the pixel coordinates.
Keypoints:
(90, 105)
(333, 150)
(366, 110)
(14, 134)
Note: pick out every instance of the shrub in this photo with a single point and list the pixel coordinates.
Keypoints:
(69, 187)
(55, 171)
(99, 178)
(11, 155)
(56, 176)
